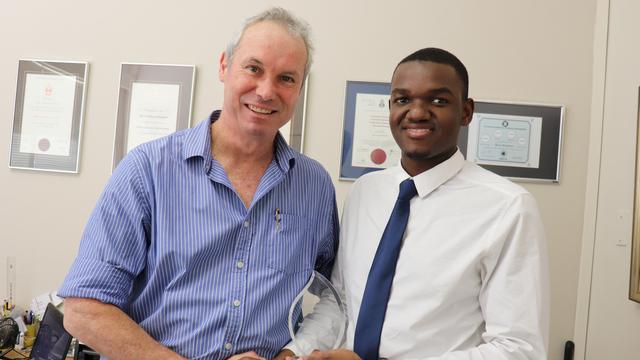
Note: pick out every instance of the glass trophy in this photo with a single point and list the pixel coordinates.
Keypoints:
(317, 287)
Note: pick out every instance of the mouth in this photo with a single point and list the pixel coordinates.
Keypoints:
(417, 132)
(260, 110)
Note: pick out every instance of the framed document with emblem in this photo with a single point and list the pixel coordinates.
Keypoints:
(520, 141)
(367, 142)
(48, 113)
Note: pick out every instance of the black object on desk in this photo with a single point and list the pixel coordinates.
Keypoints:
(83, 352)
(52, 341)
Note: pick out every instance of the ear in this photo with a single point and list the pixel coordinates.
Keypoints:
(223, 66)
(467, 111)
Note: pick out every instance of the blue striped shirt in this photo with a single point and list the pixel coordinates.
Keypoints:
(171, 243)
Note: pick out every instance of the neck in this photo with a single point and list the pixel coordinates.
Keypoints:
(243, 157)
(415, 165)
(228, 144)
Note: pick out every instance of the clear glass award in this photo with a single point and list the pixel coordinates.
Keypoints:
(317, 287)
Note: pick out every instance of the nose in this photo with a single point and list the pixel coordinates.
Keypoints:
(418, 111)
(266, 89)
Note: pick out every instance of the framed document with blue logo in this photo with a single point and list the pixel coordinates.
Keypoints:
(367, 142)
(520, 141)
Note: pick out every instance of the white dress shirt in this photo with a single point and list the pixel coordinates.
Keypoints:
(472, 276)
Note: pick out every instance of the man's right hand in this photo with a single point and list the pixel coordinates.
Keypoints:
(337, 354)
(249, 355)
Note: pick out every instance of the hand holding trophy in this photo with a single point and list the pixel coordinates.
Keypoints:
(320, 289)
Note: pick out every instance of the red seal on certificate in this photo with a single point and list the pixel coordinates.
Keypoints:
(378, 156)
(44, 144)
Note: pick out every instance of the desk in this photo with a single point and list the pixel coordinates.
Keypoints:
(16, 354)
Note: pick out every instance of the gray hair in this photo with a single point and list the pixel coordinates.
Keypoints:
(295, 26)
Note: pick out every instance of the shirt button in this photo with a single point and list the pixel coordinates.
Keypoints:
(246, 224)
(228, 346)
(236, 302)
(240, 265)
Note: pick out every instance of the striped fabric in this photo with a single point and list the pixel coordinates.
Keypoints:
(171, 243)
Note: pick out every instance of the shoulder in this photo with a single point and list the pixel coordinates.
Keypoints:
(480, 177)
(376, 182)
(169, 144)
(309, 169)
(160, 151)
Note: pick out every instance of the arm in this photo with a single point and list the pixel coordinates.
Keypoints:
(515, 293)
(110, 332)
(112, 253)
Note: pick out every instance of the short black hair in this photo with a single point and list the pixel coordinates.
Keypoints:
(441, 57)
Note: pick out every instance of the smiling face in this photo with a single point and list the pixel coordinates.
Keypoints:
(426, 111)
(263, 81)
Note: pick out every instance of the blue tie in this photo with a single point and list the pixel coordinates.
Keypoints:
(376, 294)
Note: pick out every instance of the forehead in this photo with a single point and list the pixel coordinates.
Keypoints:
(268, 39)
(420, 76)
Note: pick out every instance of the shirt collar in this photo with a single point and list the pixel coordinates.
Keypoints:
(426, 182)
(198, 143)
(285, 155)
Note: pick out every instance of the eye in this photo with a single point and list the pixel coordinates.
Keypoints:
(440, 101)
(287, 79)
(253, 68)
(401, 100)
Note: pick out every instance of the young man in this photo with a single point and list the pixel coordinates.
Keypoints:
(471, 278)
(201, 240)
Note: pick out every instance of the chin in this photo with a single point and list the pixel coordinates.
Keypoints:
(417, 155)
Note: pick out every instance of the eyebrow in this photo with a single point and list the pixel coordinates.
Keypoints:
(442, 90)
(254, 60)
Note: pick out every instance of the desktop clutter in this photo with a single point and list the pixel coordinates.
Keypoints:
(27, 321)
(40, 332)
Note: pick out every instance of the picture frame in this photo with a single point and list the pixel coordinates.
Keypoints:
(634, 278)
(293, 131)
(517, 140)
(48, 115)
(154, 100)
(367, 143)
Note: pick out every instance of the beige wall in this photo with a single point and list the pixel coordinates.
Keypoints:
(538, 51)
(607, 322)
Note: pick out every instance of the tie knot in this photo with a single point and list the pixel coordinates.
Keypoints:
(407, 190)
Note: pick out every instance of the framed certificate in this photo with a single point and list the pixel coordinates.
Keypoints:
(153, 101)
(367, 142)
(520, 141)
(634, 279)
(48, 113)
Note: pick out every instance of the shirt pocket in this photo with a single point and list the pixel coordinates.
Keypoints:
(292, 250)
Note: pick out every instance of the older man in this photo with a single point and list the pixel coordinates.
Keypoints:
(201, 240)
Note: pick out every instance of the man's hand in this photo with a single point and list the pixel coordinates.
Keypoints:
(249, 355)
(285, 354)
(337, 354)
